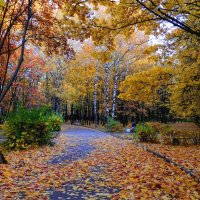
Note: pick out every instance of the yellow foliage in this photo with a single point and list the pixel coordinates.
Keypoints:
(144, 86)
(2, 3)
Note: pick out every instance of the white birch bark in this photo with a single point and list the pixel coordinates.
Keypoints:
(95, 96)
(106, 68)
(116, 65)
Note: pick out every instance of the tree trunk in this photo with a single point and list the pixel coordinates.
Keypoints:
(66, 113)
(95, 97)
(72, 114)
(115, 86)
(21, 58)
(106, 68)
(2, 159)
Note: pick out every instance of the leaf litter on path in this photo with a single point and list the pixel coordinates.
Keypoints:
(114, 169)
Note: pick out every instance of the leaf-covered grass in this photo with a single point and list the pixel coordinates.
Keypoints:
(188, 156)
(142, 175)
(28, 171)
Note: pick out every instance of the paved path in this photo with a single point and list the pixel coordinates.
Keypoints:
(81, 137)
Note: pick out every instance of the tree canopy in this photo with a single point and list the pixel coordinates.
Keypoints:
(100, 58)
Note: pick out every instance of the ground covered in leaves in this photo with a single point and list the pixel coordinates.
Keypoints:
(87, 164)
(187, 156)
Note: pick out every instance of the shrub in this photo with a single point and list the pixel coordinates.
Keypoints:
(143, 131)
(146, 132)
(156, 126)
(136, 136)
(166, 134)
(55, 122)
(29, 127)
(180, 133)
(114, 125)
(174, 133)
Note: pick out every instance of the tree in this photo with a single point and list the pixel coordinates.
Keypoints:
(149, 87)
(78, 85)
(37, 22)
(127, 58)
(177, 22)
(184, 93)
(26, 89)
(56, 68)
(144, 86)
(149, 15)
(6, 38)
(181, 14)
(108, 69)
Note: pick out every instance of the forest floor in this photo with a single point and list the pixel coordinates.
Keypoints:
(89, 164)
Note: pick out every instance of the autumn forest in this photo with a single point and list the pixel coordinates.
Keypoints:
(79, 78)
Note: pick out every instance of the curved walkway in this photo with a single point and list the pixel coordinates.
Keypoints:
(81, 138)
(110, 168)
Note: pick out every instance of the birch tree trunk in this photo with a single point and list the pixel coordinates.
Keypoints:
(95, 97)
(106, 68)
(116, 65)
